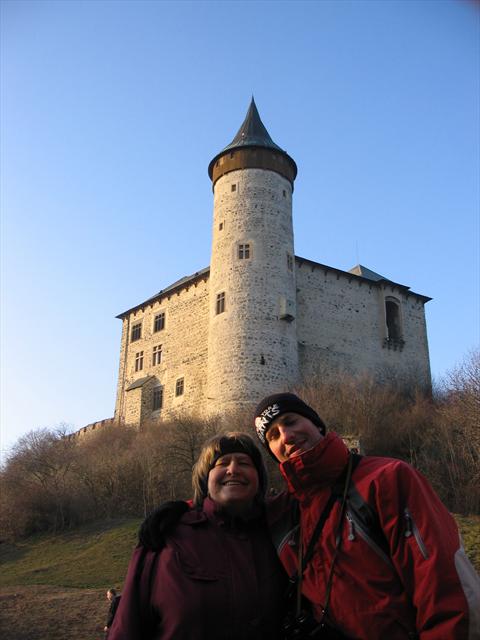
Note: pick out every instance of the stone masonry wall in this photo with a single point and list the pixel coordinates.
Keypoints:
(184, 355)
(251, 350)
(342, 325)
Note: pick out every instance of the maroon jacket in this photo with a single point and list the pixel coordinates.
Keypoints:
(216, 579)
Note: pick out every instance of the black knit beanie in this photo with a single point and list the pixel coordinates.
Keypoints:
(272, 407)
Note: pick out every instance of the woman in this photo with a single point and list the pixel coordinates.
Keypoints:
(217, 576)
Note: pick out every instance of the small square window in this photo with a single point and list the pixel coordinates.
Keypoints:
(220, 305)
(157, 398)
(139, 361)
(157, 355)
(136, 332)
(234, 187)
(179, 387)
(159, 322)
(243, 251)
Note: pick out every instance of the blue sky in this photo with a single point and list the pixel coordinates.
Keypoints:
(111, 111)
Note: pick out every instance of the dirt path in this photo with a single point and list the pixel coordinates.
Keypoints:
(52, 613)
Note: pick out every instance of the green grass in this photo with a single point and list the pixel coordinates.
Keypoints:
(90, 556)
(97, 555)
(470, 530)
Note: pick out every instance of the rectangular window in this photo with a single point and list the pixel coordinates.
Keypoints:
(136, 332)
(234, 187)
(244, 251)
(290, 262)
(139, 361)
(179, 387)
(220, 226)
(157, 355)
(159, 322)
(220, 306)
(284, 193)
(157, 399)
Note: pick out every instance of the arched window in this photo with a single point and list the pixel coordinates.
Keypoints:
(393, 321)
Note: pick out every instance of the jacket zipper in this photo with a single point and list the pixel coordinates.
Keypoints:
(411, 527)
(354, 524)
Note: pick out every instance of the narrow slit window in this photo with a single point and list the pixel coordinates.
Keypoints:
(139, 361)
(220, 303)
(157, 398)
(157, 355)
(179, 387)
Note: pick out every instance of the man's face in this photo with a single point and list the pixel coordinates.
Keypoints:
(291, 435)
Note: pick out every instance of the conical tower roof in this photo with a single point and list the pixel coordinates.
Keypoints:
(254, 135)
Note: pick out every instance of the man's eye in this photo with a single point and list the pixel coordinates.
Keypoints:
(272, 434)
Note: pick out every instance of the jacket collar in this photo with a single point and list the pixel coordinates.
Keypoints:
(317, 468)
(211, 511)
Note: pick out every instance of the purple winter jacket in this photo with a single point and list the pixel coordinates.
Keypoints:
(216, 579)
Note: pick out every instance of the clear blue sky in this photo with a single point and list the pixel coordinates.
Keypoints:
(111, 111)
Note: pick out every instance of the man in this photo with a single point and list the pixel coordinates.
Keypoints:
(387, 563)
(114, 602)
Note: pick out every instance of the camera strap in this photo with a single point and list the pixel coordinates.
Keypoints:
(303, 560)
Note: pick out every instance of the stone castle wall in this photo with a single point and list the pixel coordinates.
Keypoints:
(251, 350)
(183, 341)
(342, 325)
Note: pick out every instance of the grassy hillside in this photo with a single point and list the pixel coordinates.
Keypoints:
(96, 555)
(53, 587)
(92, 556)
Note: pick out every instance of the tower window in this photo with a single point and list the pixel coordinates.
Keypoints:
(234, 187)
(179, 387)
(220, 305)
(289, 261)
(244, 251)
(392, 313)
(136, 332)
(139, 361)
(220, 226)
(159, 322)
(157, 355)
(284, 193)
(157, 398)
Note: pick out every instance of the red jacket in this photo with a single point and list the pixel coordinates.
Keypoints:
(422, 583)
(214, 580)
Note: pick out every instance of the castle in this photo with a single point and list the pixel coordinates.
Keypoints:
(260, 319)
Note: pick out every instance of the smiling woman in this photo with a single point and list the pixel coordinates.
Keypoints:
(215, 573)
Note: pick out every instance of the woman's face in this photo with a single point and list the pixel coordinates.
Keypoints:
(233, 482)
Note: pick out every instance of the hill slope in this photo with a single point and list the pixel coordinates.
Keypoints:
(53, 587)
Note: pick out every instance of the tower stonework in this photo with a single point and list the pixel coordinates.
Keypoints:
(260, 319)
(252, 339)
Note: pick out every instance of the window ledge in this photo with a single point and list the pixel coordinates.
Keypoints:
(396, 344)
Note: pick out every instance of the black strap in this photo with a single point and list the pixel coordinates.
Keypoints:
(337, 493)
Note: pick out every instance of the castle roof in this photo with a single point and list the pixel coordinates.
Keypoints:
(252, 134)
(359, 271)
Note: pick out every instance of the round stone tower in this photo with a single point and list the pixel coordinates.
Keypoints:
(252, 338)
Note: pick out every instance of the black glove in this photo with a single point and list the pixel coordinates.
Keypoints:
(159, 523)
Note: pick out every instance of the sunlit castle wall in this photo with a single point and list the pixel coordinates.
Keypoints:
(252, 340)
